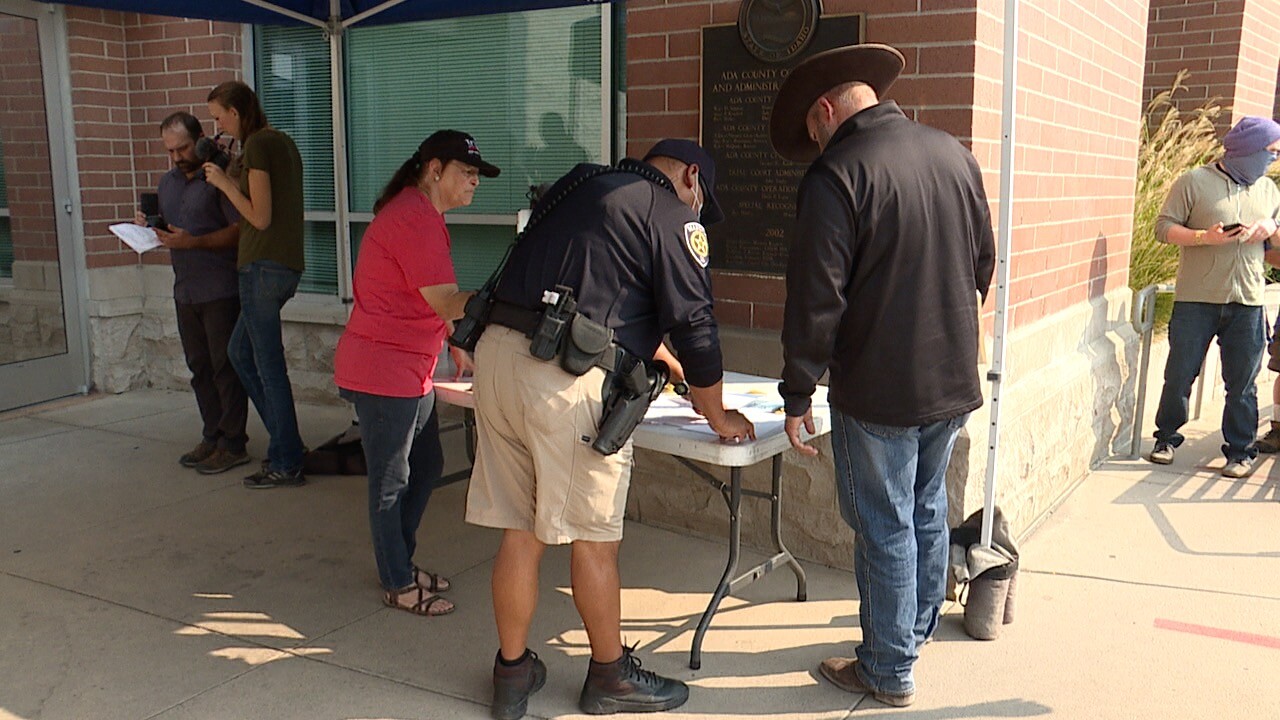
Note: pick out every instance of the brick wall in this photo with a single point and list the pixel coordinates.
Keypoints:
(25, 138)
(1259, 55)
(1076, 148)
(128, 72)
(1076, 134)
(1228, 46)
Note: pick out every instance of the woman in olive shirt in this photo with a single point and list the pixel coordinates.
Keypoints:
(268, 195)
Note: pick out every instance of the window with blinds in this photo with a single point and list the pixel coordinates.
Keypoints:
(293, 85)
(6, 234)
(526, 85)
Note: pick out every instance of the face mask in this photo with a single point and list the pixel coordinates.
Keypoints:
(1248, 169)
(697, 198)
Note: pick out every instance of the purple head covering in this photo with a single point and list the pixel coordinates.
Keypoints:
(1250, 135)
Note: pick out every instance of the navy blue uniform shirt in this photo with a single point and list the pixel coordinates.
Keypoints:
(635, 257)
(199, 275)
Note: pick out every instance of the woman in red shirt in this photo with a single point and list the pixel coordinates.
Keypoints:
(406, 298)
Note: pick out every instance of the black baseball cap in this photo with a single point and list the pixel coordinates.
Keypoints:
(455, 145)
(691, 153)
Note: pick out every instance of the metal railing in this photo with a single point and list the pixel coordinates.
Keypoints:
(1144, 322)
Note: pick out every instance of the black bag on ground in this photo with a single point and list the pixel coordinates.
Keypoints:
(342, 454)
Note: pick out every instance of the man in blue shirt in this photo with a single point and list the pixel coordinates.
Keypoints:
(202, 235)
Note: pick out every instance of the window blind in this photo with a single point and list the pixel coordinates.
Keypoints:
(526, 85)
(293, 86)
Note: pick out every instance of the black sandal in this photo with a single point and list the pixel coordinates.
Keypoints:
(422, 605)
(437, 583)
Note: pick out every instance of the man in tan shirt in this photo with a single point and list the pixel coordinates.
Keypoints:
(1223, 216)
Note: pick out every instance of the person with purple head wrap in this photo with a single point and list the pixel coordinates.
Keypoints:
(1223, 216)
(1248, 148)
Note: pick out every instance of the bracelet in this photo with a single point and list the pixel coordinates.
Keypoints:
(1199, 239)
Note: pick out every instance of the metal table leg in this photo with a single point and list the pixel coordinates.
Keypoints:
(802, 583)
(468, 428)
(732, 494)
(734, 499)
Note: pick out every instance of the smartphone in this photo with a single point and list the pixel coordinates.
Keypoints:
(1231, 228)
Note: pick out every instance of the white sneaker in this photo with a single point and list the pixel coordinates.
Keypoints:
(1238, 468)
(1161, 454)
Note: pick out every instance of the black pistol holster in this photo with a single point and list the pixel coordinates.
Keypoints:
(628, 392)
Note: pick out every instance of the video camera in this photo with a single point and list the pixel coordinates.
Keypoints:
(208, 150)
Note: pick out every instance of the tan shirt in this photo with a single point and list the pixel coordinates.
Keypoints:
(1230, 273)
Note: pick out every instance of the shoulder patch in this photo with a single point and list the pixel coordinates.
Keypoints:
(695, 239)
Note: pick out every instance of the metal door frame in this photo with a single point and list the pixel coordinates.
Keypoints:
(31, 381)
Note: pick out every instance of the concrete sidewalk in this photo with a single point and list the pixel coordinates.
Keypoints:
(133, 588)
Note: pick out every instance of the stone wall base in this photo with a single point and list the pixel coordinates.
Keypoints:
(134, 335)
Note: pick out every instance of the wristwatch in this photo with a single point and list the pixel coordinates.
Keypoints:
(1200, 236)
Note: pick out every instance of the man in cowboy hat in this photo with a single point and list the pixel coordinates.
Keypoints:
(893, 237)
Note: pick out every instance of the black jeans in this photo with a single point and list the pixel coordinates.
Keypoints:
(205, 329)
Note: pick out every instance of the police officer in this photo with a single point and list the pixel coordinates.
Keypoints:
(628, 242)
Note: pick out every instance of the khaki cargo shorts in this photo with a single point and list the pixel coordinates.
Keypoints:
(535, 469)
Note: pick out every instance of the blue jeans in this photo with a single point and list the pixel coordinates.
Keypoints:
(1240, 333)
(256, 350)
(891, 485)
(401, 438)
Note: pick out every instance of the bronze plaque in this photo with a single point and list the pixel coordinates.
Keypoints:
(754, 185)
(777, 30)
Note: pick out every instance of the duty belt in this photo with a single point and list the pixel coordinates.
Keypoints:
(525, 321)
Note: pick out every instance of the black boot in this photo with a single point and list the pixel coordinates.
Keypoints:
(622, 686)
(513, 684)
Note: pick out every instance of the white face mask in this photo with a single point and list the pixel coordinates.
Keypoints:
(697, 198)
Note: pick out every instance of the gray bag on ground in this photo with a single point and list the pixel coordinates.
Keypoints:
(991, 574)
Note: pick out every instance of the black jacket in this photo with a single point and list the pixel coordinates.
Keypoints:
(635, 257)
(893, 239)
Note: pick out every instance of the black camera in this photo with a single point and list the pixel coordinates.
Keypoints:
(209, 151)
(149, 204)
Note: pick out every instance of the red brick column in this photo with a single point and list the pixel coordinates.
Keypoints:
(25, 137)
(128, 72)
(1228, 45)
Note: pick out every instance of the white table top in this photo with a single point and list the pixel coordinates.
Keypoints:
(673, 428)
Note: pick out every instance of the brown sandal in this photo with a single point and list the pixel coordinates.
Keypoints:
(424, 604)
(436, 583)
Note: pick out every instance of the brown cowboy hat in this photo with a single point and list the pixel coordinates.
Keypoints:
(871, 63)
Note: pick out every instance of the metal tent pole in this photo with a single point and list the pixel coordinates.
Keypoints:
(341, 194)
(1008, 114)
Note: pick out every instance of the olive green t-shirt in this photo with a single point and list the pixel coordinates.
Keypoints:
(1221, 274)
(274, 153)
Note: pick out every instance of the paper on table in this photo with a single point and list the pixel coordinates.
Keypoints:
(140, 238)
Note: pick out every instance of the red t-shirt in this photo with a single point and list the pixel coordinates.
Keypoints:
(393, 337)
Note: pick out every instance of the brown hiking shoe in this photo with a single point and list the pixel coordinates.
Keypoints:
(513, 684)
(1271, 441)
(843, 673)
(623, 686)
(222, 460)
(198, 454)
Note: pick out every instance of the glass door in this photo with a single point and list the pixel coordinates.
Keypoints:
(41, 343)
